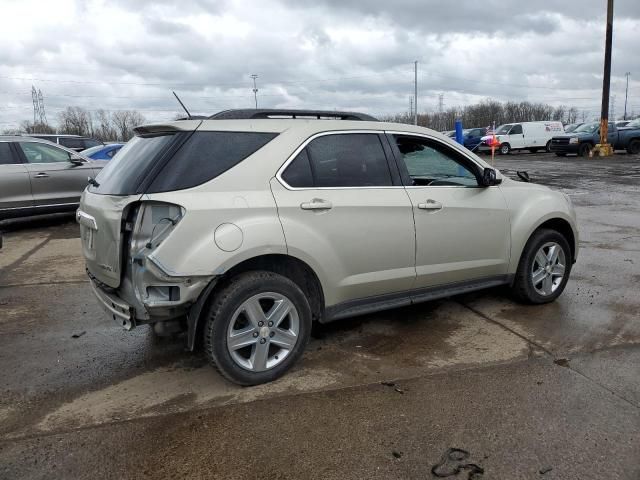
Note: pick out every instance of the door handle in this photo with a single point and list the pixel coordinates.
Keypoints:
(430, 205)
(41, 175)
(316, 204)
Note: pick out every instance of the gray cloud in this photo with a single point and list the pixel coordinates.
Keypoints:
(320, 54)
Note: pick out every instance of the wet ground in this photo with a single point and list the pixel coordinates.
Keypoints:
(552, 389)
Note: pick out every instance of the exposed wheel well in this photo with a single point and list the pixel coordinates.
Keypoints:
(289, 267)
(294, 269)
(564, 228)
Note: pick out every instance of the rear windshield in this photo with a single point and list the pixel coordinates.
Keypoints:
(123, 174)
(152, 164)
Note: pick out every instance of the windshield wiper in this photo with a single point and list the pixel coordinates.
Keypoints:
(92, 181)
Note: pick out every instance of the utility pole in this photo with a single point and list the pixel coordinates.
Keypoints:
(255, 89)
(626, 95)
(603, 149)
(410, 106)
(415, 93)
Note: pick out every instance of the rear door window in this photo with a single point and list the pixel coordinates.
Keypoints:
(6, 155)
(348, 160)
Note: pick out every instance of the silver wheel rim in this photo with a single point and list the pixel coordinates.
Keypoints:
(505, 149)
(263, 331)
(548, 268)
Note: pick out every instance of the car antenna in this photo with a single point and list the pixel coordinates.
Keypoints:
(181, 104)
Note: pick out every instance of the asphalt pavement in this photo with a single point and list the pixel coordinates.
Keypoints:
(548, 391)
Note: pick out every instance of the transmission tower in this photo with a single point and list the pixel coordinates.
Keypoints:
(612, 108)
(255, 89)
(36, 105)
(43, 115)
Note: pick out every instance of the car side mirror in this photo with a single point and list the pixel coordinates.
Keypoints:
(76, 160)
(490, 178)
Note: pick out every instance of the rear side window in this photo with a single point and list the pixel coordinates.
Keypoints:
(71, 142)
(90, 142)
(6, 155)
(205, 156)
(344, 160)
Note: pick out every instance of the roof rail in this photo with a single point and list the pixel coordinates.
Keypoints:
(262, 113)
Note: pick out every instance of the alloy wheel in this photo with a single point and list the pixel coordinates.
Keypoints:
(263, 331)
(548, 268)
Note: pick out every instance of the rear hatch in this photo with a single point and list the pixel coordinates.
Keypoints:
(100, 218)
(106, 202)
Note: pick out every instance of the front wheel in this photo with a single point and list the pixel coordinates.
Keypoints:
(505, 148)
(544, 268)
(584, 149)
(257, 327)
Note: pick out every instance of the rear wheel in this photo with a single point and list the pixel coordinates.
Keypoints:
(547, 147)
(584, 149)
(544, 268)
(634, 147)
(257, 327)
(505, 149)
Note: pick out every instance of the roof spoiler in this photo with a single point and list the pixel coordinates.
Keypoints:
(275, 113)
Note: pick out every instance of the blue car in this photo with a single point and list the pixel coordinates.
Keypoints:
(472, 136)
(102, 152)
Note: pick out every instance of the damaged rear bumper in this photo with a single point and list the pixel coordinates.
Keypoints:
(120, 311)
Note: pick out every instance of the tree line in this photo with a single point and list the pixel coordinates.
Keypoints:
(104, 125)
(483, 114)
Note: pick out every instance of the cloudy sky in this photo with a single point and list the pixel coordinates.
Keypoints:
(344, 54)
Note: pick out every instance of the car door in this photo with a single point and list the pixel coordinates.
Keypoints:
(344, 211)
(462, 228)
(54, 179)
(516, 137)
(15, 187)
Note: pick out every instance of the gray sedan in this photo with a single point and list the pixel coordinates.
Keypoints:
(37, 176)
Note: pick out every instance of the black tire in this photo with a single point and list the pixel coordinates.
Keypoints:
(561, 154)
(634, 147)
(523, 289)
(533, 150)
(547, 147)
(584, 149)
(220, 313)
(505, 149)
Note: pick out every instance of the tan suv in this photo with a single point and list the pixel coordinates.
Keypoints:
(247, 227)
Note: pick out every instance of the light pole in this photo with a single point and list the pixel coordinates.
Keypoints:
(604, 149)
(255, 89)
(626, 95)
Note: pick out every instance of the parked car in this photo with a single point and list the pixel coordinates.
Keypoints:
(532, 136)
(472, 137)
(103, 152)
(246, 231)
(37, 176)
(622, 123)
(632, 124)
(585, 137)
(74, 142)
(571, 127)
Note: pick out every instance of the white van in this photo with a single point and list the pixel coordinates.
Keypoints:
(532, 136)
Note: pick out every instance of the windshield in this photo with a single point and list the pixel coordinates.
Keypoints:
(504, 129)
(90, 151)
(587, 128)
(123, 174)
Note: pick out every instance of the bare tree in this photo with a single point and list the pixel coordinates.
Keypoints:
(30, 127)
(124, 122)
(75, 121)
